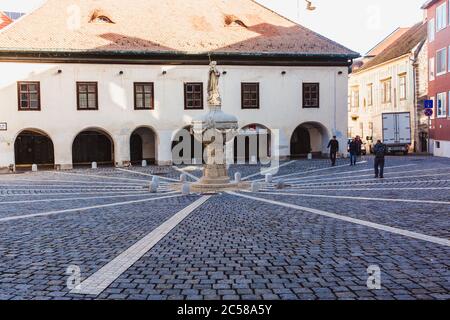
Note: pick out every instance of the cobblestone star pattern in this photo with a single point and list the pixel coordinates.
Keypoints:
(314, 238)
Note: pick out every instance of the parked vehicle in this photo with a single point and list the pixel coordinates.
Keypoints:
(397, 132)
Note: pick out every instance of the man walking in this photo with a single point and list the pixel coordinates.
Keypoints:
(333, 145)
(353, 149)
(380, 151)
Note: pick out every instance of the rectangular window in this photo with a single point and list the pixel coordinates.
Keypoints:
(431, 30)
(441, 62)
(432, 69)
(386, 91)
(143, 96)
(193, 95)
(402, 86)
(370, 95)
(29, 96)
(87, 96)
(441, 105)
(355, 98)
(311, 95)
(441, 17)
(250, 95)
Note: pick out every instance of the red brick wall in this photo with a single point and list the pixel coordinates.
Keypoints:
(440, 127)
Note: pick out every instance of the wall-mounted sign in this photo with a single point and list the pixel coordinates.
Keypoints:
(428, 104)
(3, 126)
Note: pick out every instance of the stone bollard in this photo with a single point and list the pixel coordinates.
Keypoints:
(310, 156)
(94, 165)
(255, 187)
(186, 189)
(280, 185)
(144, 163)
(155, 180)
(253, 160)
(183, 177)
(34, 168)
(269, 178)
(153, 187)
(237, 177)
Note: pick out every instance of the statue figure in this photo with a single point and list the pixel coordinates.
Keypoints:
(213, 85)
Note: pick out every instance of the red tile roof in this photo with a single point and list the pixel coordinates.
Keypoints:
(188, 26)
(386, 42)
(4, 20)
(405, 44)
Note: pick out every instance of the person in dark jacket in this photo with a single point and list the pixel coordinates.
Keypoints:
(353, 149)
(380, 151)
(333, 145)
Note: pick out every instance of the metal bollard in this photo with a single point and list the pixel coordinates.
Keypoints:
(94, 165)
(269, 178)
(34, 168)
(255, 187)
(144, 163)
(155, 180)
(186, 189)
(153, 187)
(237, 177)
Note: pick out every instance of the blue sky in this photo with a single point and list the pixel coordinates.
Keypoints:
(357, 24)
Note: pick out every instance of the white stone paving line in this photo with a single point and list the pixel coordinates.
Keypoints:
(186, 173)
(74, 181)
(358, 189)
(140, 194)
(351, 172)
(102, 177)
(268, 170)
(406, 233)
(103, 278)
(78, 210)
(344, 182)
(343, 186)
(93, 186)
(390, 174)
(355, 198)
(63, 193)
(277, 178)
(147, 174)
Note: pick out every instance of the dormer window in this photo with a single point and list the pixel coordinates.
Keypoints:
(103, 19)
(98, 16)
(233, 21)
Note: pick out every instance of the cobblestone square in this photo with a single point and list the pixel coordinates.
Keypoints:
(100, 234)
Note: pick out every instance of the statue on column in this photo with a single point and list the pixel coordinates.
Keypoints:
(213, 86)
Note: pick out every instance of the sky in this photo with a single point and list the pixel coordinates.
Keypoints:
(356, 24)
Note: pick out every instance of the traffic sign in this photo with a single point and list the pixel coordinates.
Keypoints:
(428, 112)
(428, 104)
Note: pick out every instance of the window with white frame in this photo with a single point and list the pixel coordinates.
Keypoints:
(355, 98)
(386, 88)
(441, 61)
(432, 68)
(431, 30)
(441, 105)
(441, 17)
(448, 61)
(402, 86)
(370, 94)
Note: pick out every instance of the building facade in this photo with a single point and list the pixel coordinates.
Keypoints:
(114, 92)
(437, 16)
(392, 81)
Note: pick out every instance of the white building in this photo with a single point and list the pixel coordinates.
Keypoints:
(113, 82)
(392, 81)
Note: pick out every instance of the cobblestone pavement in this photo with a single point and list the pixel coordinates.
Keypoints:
(315, 238)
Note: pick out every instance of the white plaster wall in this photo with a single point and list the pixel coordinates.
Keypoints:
(280, 103)
(374, 113)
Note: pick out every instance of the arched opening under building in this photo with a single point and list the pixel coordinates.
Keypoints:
(93, 145)
(190, 152)
(143, 146)
(33, 147)
(309, 137)
(252, 144)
